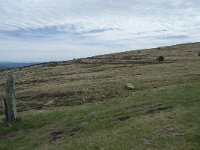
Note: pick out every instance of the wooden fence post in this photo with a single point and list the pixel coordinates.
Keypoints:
(10, 100)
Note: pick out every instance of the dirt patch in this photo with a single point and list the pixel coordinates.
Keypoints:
(56, 135)
(51, 95)
(27, 106)
(122, 118)
(157, 109)
(32, 81)
(139, 106)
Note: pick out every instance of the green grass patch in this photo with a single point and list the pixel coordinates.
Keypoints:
(163, 118)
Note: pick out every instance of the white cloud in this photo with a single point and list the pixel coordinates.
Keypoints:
(111, 25)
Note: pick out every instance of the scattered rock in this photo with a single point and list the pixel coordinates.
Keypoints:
(49, 103)
(129, 86)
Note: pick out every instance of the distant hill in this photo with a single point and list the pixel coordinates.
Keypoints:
(139, 66)
(8, 65)
(144, 99)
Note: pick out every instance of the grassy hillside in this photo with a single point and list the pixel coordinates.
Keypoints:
(83, 104)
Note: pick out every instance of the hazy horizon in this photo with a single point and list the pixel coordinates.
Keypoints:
(68, 59)
(47, 30)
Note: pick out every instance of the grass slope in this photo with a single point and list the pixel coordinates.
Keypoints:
(91, 109)
(165, 118)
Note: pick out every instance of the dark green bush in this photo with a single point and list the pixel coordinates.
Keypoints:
(160, 58)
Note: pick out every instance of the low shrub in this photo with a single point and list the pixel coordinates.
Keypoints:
(160, 58)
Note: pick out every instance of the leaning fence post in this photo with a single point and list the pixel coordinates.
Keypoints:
(10, 100)
(5, 105)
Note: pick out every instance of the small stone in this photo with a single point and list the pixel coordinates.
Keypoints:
(49, 103)
(129, 86)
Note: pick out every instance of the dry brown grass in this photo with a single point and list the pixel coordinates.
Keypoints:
(102, 77)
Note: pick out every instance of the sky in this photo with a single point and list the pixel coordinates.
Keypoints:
(53, 30)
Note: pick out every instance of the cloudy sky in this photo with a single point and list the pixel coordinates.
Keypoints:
(49, 30)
